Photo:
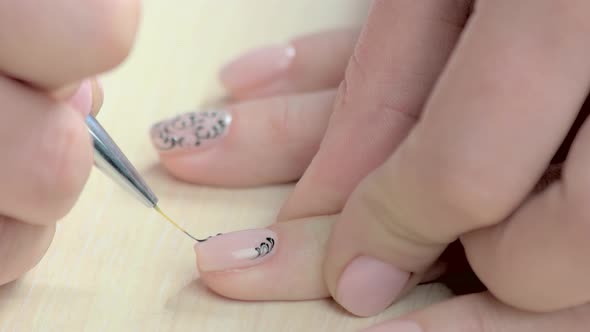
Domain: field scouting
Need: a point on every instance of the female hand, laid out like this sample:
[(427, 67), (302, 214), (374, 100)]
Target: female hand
[(51, 50), (442, 183)]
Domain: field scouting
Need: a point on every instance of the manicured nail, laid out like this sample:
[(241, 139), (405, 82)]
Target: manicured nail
[(368, 286), (258, 68), (190, 131), (395, 326), (82, 99), (236, 250), (97, 95)]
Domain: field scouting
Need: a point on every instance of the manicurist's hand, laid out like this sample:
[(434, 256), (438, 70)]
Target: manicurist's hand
[(51, 51), (449, 116)]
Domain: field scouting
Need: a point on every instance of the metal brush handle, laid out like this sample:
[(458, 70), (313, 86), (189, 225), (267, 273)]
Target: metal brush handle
[(109, 158)]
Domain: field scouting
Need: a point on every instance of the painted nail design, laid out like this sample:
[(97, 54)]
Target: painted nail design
[(236, 250), (265, 248), (190, 130)]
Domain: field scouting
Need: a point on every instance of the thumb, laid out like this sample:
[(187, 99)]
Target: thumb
[(377, 250)]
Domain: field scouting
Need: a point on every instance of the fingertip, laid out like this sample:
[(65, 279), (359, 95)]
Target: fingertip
[(234, 264), (311, 62), (268, 141), (22, 246), (236, 250), (368, 286), (256, 71), (82, 100), (286, 266), (86, 98), (97, 96)]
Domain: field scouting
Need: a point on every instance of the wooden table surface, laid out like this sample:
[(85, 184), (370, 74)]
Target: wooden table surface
[(115, 265)]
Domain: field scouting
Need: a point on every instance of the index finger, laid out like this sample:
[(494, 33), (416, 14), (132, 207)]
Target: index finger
[(400, 53)]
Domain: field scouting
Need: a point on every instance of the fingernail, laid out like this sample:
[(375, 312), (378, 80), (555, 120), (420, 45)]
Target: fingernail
[(82, 99), (258, 68), (236, 250), (395, 326), (97, 95), (196, 130), (368, 286)]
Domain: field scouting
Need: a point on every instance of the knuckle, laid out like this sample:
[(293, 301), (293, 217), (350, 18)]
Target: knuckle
[(362, 84), (353, 78), (282, 121), (67, 157), (469, 199), (386, 209)]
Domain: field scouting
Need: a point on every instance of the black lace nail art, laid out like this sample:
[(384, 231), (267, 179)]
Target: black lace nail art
[(265, 247), (191, 130)]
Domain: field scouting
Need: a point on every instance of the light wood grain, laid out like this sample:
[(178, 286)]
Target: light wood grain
[(115, 265)]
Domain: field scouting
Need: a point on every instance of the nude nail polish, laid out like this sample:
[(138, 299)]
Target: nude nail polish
[(236, 250), (258, 68), (97, 95), (368, 286), (81, 101), (190, 131)]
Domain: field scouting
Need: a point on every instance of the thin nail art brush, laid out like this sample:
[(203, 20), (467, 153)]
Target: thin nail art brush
[(111, 160)]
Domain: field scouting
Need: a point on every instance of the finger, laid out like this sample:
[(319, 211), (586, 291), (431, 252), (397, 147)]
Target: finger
[(537, 259), (53, 43), (400, 52), (251, 143), (47, 155), (482, 313), (97, 97), (308, 63), (231, 266), (21, 247), (87, 98), (450, 176)]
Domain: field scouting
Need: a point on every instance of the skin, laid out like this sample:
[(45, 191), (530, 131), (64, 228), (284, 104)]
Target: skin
[(403, 94), (37, 95), (431, 132)]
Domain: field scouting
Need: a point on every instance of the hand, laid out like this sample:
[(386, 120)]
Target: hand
[(284, 101), (444, 181), (298, 246), (51, 51)]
